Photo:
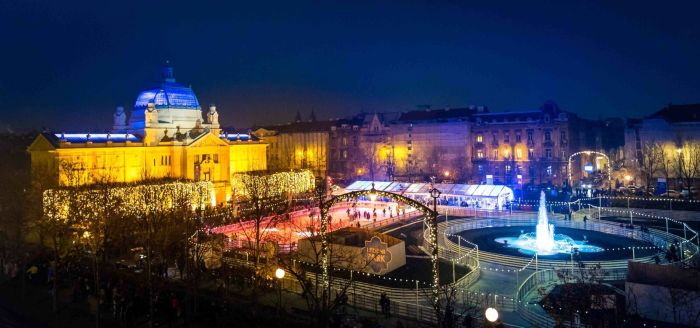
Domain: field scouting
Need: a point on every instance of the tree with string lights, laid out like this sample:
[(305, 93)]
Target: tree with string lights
[(265, 204)]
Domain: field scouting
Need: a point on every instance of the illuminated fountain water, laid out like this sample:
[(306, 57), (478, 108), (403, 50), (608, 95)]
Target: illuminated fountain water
[(544, 232), (544, 241)]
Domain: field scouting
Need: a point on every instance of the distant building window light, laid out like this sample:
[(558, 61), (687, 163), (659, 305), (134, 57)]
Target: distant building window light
[(479, 138), (518, 153)]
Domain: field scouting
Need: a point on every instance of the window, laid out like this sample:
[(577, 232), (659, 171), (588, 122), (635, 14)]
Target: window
[(530, 153), (506, 153), (517, 137), (495, 154), (345, 154), (508, 168), (529, 135), (479, 153), (518, 153), (216, 158), (354, 141), (480, 168), (546, 118), (345, 141), (506, 137), (548, 153), (479, 138), (493, 138), (547, 136), (162, 160), (549, 170), (563, 136), (196, 159)]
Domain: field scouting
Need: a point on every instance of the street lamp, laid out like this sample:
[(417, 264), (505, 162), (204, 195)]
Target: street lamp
[(279, 273), (491, 314)]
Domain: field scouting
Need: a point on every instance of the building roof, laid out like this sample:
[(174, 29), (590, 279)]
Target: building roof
[(679, 113), (237, 137), (168, 94), (424, 188), (300, 127), (356, 237), (56, 139), (441, 114), (663, 275)]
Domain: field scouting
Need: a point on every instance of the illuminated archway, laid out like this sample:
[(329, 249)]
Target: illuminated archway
[(430, 217), (588, 152)]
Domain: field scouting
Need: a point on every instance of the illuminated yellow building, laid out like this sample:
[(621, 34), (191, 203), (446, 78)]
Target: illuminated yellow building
[(164, 137), (299, 145)]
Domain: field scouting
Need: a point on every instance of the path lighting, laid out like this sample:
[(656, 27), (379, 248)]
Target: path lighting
[(491, 314), (679, 150), (279, 273), (446, 173)]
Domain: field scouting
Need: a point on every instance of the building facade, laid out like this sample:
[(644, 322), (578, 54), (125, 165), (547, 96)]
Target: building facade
[(164, 136), (676, 130), (299, 145), (528, 147)]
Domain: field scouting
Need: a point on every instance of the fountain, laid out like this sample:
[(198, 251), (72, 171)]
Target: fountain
[(544, 232), (544, 241)]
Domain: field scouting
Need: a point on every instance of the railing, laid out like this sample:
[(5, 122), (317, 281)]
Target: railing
[(532, 312), (453, 227)]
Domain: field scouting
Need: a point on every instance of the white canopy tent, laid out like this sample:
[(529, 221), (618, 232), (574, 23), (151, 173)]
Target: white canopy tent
[(479, 196)]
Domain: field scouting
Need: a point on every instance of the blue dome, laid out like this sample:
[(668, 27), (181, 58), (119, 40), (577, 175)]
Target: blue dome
[(168, 94)]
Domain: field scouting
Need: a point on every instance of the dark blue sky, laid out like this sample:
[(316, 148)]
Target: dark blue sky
[(67, 64)]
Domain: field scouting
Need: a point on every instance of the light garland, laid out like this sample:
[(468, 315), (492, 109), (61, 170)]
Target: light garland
[(274, 184), (130, 200)]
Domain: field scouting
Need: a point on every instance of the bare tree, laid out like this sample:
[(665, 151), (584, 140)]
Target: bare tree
[(688, 164), (579, 290), (264, 208), (651, 162)]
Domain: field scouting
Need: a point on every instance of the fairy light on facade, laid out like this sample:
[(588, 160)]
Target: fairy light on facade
[(278, 183)]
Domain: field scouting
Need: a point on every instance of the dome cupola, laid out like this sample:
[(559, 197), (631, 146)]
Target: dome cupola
[(168, 94)]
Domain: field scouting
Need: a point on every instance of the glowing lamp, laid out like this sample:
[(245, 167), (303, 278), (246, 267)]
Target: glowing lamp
[(372, 196), (447, 173), (491, 314), (679, 151), (279, 273), (628, 178)]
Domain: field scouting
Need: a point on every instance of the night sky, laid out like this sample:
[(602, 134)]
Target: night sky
[(66, 64)]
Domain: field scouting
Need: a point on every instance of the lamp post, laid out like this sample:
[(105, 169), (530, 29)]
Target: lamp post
[(279, 273), (433, 228)]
